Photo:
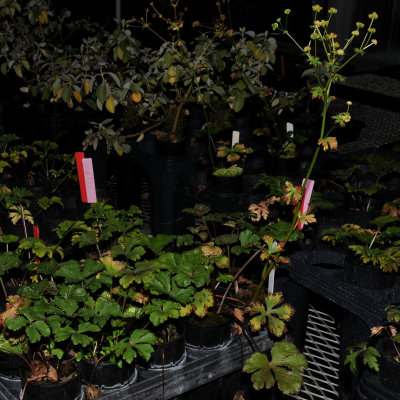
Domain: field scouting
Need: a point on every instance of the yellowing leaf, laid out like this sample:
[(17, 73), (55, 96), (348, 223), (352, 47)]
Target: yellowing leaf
[(15, 215), (86, 85), (184, 311), (78, 96), (329, 142), (59, 93), (43, 17), (18, 71), (210, 250), (110, 105), (136, 97), (259, 210), (307, 219), (172, 75), (376, 330)]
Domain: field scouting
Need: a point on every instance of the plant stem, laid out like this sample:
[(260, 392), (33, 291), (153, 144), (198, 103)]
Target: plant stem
[(3, 288), (236, 276)]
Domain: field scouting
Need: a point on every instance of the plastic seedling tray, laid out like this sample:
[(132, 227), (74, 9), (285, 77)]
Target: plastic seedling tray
[(198, 368)]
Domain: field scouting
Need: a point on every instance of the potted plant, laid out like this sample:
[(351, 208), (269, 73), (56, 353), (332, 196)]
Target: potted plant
[(227, 178), (147, 285), (382, 358), (376, 248)]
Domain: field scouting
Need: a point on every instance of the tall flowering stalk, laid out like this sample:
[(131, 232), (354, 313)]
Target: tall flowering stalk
[(327, 57)]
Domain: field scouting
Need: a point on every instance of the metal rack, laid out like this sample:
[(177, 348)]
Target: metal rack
[(322, 348)]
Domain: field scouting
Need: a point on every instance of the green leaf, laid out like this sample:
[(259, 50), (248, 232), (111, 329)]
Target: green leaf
[(69, 307), (142, 273), (42, 328), (73, 292), (131, 250), (45, 202), (114, 268), (88, 327), (225, 278), (58, 353), (285, 368), (16, 323), (85, 239), (157, 243), (371, 358), (105, 310), (248, 238), (70, 270), (226, 239), (238, 102), (159, 311), (142, 340), (101, 93), (393, 313), (258, 366), (63, 333), (8, 260), (79, 338), (33, 334)]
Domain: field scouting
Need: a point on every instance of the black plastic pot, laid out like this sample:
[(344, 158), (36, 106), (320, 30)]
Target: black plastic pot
[(68, 390), (368, 276), (106, 375), (226, 184), (170, 148), (207, 335), (369, 388), (168, 354), (10, 365), (389, 373)]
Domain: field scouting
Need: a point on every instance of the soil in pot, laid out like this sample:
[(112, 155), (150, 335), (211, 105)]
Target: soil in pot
[(68, 386), (170, 350), (212, 331), (106, 375)]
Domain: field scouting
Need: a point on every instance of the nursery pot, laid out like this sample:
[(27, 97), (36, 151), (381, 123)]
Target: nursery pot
[(226, 184), (106, 375), (213, 331), (166, 148), (168, 354), (10, 365), (389, 373), (70, 389), (367, 276)]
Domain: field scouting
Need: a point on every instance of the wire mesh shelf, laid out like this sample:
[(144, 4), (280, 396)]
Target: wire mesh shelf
[(322, 348)]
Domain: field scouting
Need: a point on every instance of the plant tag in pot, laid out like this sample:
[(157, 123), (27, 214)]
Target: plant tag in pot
[(235, 138), (290, 128), (271, 276), (86, 178)]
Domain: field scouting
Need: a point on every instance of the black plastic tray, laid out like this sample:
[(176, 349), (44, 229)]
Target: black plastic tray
[(369, 305), (198, 368)]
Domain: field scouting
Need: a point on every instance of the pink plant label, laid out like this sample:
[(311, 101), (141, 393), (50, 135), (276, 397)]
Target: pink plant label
[(79, 156), (306, 199), (89, 180)]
